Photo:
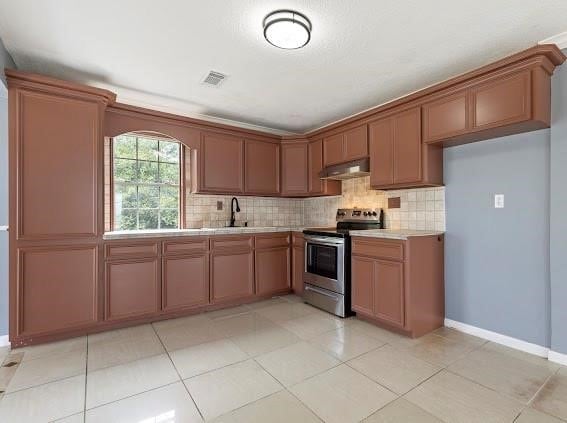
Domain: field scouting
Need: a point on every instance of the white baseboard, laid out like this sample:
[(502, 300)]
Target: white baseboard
[(4, 341), (498, 338), (557, 357)]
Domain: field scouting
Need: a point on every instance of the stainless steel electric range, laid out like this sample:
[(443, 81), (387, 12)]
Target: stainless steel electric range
[(327, 260)]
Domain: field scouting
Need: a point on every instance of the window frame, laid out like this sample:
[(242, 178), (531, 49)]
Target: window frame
[(181, 176)]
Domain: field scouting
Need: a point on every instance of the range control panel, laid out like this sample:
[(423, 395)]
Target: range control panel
[(359, 215)]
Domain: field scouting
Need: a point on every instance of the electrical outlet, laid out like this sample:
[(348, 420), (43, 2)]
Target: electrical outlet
[(498, 201), (219, 205)]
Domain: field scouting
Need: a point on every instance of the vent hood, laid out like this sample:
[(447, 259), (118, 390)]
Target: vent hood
[(349, 170)]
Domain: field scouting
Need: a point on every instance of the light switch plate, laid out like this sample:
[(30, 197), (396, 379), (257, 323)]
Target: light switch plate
[(498, 201)]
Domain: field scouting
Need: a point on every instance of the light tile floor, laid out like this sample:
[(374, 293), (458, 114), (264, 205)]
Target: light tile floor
[(277, 361)]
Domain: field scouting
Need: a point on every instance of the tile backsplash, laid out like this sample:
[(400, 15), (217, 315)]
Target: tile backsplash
[(422, 208)]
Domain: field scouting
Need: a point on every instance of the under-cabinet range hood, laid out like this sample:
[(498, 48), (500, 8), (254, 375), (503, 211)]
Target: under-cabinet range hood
[(349, 170)]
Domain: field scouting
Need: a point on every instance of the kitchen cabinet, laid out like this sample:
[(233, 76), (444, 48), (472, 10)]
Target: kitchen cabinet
[(232, 269), (220, 164), (319, 186), (132, 288), (446, 117), (345, 146), (398, 158), (295, 168), (399, 284), (185, 274), (58, 288), (501, 101), (272, 264), (297, 262), (262, 167)]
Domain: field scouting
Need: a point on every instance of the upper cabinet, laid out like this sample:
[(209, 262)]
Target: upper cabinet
[(346, 146), (262, 167), (318, 186), (295, 167), (220, 164), (398, 159), (496, 105)]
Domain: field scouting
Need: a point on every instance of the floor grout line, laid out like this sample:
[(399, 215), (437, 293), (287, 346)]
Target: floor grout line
[(86, 380), (178, 374)]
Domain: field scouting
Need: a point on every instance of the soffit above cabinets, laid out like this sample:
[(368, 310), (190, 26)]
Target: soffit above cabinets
[(359, 55)]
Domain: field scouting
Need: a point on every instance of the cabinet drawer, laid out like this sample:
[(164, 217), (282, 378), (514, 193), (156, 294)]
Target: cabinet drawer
[(385, 249), (270, 241), (148, 249), (231, 242), (194, 245)]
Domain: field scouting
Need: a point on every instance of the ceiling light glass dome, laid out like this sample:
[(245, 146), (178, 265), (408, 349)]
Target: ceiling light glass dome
[(287, 29)]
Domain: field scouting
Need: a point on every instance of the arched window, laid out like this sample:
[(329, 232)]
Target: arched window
[(146, 188)]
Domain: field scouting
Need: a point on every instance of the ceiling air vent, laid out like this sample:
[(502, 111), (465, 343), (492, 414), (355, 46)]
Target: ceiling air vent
[(214, 78)]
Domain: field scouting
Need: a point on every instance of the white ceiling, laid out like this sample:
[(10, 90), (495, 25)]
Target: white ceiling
[(362, 53)]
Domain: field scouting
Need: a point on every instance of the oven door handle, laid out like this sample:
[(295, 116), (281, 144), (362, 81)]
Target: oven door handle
[(323, 241), (321, 291)]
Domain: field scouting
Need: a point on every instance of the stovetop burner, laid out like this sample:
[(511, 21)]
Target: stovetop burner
[(351, 219)]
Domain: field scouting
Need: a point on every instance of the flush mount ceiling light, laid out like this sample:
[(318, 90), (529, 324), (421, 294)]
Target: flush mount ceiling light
[(287, 29)]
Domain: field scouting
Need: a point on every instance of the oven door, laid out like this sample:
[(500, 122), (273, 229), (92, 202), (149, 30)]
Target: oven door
[(324, 263)]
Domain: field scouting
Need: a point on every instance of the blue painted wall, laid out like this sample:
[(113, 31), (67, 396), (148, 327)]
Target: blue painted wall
[(5, 62), (558, 217), (497, 260)]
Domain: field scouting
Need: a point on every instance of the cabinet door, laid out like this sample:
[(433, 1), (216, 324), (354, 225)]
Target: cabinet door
[(315, 166), (502, 101), (262, 167), (221, 163), (333, 149), (232, 275), (362, 274), (272, 270), (382, 152), (407, 146), (185, 281), (295, 178), (356, 143), (57, 288), (58, 143), (132, 288), (389, 292), (298, 263), (446, 117)]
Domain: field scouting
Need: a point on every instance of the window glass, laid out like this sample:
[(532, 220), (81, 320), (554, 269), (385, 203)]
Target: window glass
[(146, 176)]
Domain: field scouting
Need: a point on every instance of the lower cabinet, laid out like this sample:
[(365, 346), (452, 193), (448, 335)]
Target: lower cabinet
[(297, 263), (185, 281), (232, 275), (272, 270), (132, 288), (399, 283)]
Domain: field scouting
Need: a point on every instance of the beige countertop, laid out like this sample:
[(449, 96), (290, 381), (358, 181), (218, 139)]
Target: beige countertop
[(164, 233), (394, 233)]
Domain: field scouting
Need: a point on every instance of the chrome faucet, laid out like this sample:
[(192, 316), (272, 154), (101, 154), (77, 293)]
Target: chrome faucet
[(232, 214)]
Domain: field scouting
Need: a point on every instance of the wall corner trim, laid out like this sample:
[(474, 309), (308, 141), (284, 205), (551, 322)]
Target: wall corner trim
[(4, 341), (559, 39), (498, 338), (558, 358)]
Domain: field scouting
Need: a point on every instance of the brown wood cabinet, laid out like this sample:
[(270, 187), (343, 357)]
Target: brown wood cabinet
[(272, 264), (399, 283), (132, 288), (232, 268), (297, 262), (446, 117), (345, 146), (185, 274), (398, 159), (319, 186), (295, 167), (220, 164), (261, 167)]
